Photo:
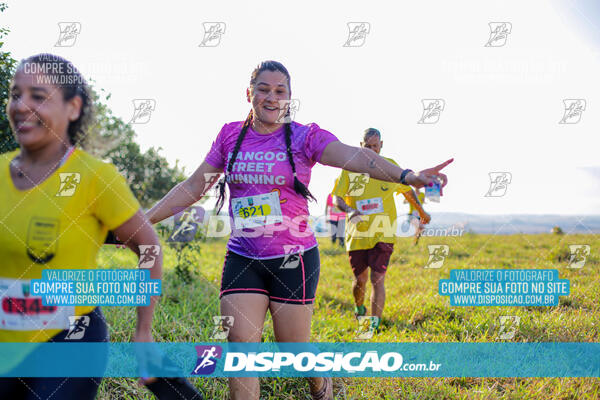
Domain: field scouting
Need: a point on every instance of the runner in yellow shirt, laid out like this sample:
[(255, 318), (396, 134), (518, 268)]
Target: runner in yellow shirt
[(58, 203), (371, 226)]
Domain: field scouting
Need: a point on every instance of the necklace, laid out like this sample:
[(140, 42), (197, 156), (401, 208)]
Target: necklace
[(63, 159)]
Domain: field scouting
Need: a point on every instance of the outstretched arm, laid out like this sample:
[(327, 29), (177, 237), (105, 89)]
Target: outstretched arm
[(185, 193), (359, 159), (137, 231)]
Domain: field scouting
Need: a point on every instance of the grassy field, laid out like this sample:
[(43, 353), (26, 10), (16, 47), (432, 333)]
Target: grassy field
[(414, 313)]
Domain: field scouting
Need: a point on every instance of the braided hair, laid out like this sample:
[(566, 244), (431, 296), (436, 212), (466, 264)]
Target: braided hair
[(299, 187)]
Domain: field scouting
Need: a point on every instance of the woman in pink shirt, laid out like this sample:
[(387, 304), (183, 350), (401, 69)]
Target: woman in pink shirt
[(272, 260)]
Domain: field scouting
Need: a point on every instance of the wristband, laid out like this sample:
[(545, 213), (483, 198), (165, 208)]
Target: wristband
[(403, 175)]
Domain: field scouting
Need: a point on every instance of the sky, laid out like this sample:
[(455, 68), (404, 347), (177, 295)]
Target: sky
[(502, 103)]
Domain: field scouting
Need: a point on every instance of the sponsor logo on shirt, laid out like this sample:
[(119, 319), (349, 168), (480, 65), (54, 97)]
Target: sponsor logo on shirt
[(42, 239)]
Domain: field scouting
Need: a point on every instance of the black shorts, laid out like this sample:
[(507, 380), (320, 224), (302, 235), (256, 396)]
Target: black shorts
[(61, 388), (291, 279)]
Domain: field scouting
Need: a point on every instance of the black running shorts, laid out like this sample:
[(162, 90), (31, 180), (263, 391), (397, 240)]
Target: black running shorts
[(291, 279)]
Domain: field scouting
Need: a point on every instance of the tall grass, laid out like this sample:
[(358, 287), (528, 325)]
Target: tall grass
[(414, 312)]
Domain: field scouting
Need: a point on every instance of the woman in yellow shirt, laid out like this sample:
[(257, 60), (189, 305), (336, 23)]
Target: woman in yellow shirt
[(57, 205)]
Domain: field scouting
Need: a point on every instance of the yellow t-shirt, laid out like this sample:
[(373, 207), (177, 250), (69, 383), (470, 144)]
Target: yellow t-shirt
[(374, 198), (60, 223)]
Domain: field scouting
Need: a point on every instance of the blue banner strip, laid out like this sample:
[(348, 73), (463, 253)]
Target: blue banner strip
[(300, 359)]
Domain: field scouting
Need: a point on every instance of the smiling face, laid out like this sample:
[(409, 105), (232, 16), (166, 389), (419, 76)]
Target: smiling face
[(268, 95), (37, 113), (373, 142)]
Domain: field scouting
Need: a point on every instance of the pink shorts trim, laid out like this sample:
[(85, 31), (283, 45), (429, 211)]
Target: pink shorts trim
[(303, 278), (294, 300), (243, 290)]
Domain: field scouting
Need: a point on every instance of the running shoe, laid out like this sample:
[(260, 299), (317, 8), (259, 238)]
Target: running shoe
[(326, 391), (360, 311)]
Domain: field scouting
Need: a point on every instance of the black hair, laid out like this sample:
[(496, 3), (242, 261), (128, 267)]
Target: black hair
[(299, 187), (63, 74)]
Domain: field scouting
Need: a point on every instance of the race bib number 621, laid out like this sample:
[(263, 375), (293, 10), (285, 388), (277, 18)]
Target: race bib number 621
[(255, 211)]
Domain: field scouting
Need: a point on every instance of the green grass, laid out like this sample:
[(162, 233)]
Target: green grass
[(414, 312)]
